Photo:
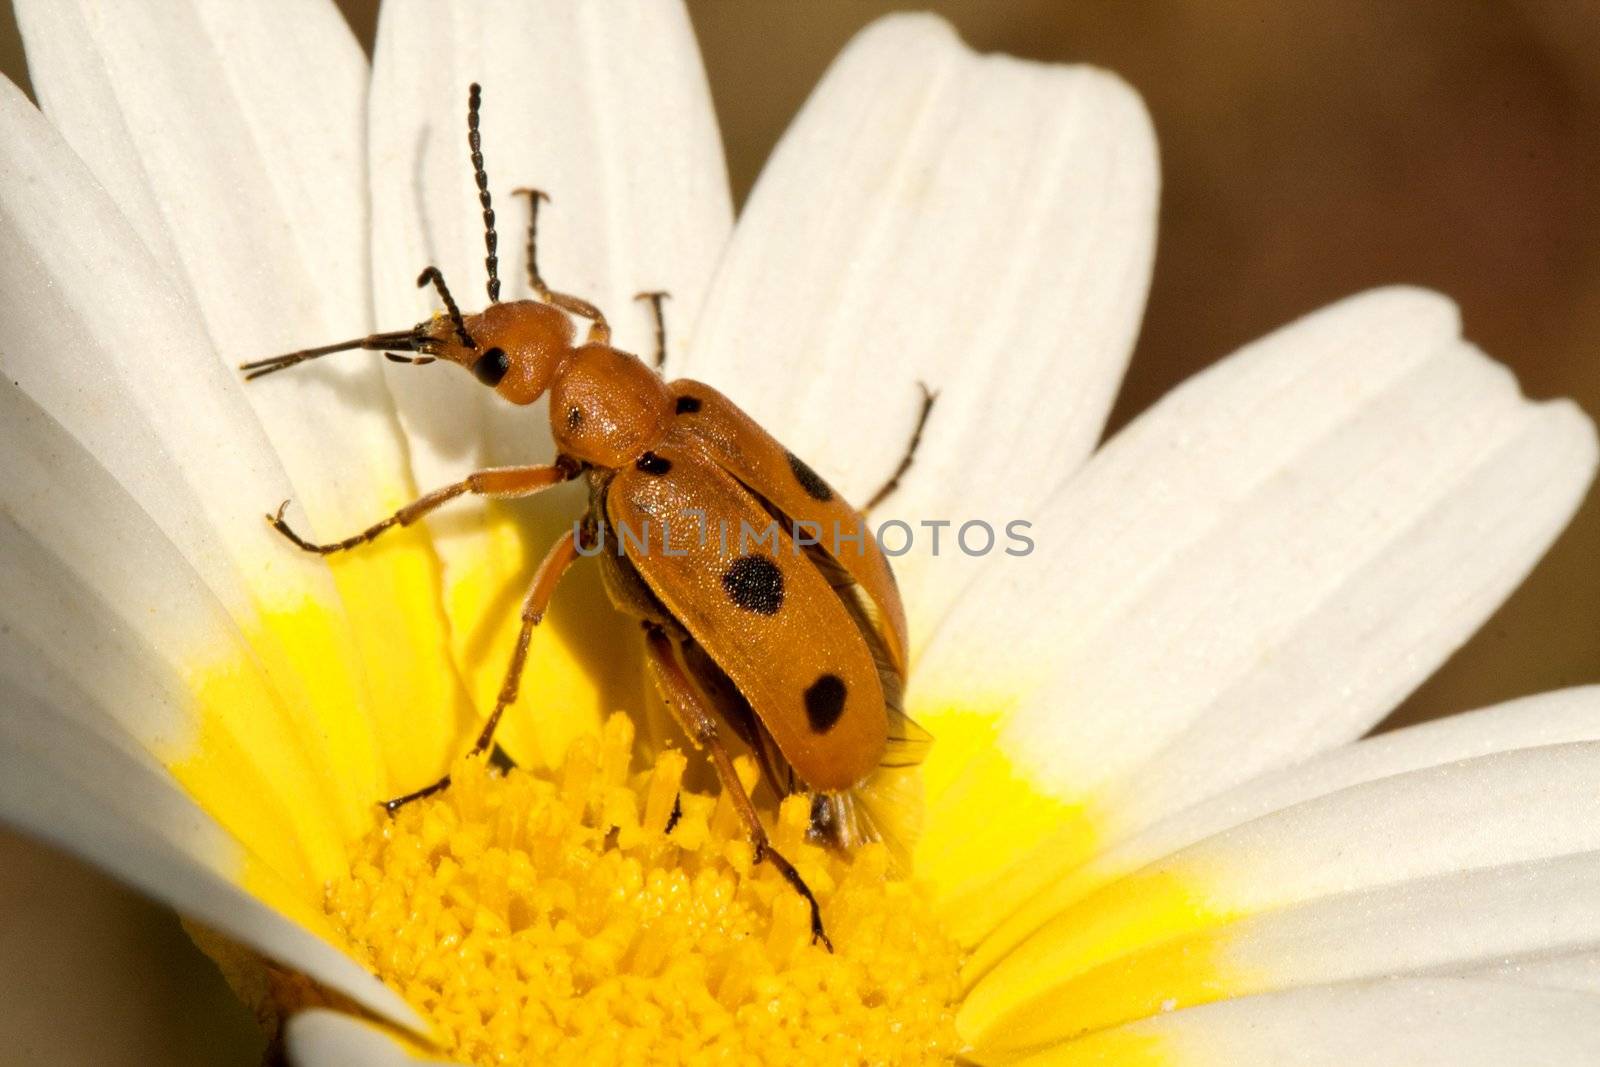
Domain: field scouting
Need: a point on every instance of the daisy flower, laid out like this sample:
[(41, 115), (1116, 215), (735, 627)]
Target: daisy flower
[(1149, 832)]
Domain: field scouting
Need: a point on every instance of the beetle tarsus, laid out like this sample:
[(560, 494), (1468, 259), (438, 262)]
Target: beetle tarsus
[(395, 804), (535, 282), (276, 521), (792, 876)]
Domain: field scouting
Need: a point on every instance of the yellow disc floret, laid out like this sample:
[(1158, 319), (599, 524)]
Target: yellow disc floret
[(558, 920)]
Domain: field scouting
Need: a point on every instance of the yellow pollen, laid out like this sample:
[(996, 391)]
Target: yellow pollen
[(556, 920)]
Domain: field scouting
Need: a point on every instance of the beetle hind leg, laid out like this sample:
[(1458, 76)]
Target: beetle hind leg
[(888, 487), (690, 709)]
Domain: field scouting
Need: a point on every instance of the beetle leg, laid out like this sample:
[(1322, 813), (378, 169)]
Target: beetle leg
[(535, 282), (718, 692), (696, 719), (554, 565), (498, 482), (928, 397), (655, 297), (599, 329)]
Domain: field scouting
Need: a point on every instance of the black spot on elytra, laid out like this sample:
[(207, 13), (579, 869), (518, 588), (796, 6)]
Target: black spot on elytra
[(491, 366), (809, 480), (688, 405), (825, 702), (651, 463), (755, 584), (574, 418)]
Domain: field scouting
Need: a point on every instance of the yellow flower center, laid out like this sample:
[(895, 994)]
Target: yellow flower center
[(558, 920)]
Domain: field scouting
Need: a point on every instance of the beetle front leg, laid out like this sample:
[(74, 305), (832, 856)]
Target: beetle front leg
[(502, 483), (690, 710)]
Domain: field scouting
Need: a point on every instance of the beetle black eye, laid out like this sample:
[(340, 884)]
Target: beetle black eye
[(492, 366)]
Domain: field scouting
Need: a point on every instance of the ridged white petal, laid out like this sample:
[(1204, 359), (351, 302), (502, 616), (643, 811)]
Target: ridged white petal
[(70, 350), (1443, 869), (1542, 719), (99, 602), (245, 127), (69, 787), (605, 108), (1254, 571), (95, 762), (124, 368), (1439, 1022), (324, 1038), (980, 224)]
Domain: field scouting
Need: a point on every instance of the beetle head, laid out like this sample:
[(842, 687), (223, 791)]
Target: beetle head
[(516, 347)]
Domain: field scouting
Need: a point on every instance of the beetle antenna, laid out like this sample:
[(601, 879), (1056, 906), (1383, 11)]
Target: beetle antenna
[(403, 340), (491, 240), (431, 274)]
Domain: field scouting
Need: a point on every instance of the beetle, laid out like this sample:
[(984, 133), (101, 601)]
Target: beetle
[(795, 645)]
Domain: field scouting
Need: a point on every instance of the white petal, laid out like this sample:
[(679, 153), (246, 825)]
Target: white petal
[(1543, 719), (100, 602), (1577, 971), (94, 764), (979, 224), (323, 1038), (1254, 571), (605, 108), (71, 351), (181, 440), (1416, 1022), (62, 644), (244, 126), (1442, 869), (52, 540), (68, 787)]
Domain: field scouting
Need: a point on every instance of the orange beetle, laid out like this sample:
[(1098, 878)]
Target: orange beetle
[(796, 645)]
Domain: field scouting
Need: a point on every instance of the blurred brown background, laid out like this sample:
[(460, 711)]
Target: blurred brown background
[(1309, 150)]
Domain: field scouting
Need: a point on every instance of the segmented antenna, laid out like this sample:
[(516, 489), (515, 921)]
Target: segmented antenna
[(403, 340), (491, 240), (431, 274)]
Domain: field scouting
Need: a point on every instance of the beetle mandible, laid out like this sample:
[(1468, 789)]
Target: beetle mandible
[(797, 647)]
